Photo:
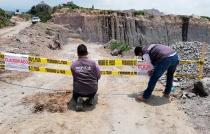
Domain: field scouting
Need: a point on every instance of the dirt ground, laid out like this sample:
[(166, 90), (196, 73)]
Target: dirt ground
[(41, 103)]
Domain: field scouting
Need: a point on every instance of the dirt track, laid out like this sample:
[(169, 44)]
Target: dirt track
[(36, 103), (10, 31)]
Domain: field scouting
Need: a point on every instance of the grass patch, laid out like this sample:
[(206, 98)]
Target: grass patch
[(119, 46)]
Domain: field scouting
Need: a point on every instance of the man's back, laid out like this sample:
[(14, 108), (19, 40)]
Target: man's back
[(85, 75)]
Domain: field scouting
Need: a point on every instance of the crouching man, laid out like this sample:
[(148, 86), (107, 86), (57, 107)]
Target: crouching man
[(86, 74)]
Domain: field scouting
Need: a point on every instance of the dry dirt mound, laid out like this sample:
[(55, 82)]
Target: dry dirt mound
[(17, 19), (51, 102)]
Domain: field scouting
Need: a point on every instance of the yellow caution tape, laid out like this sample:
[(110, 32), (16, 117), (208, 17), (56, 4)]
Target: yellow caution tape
[(51, 61), (118, 73), (117, 62), (102, 62), (1, 56), (2, 66), (201, 62), (188, 61), (49, 70), (200, 77), (68, 72), (186, 75)]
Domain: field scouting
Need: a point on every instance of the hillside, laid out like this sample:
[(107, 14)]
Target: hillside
[(4, 18)]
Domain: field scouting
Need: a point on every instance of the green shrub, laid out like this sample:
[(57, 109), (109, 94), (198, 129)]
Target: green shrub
[(41, 10), (205, 17), (113, 11), (119, 46), (4, 18), (71, 6), (135, 13), (43, 16), (183, 17)]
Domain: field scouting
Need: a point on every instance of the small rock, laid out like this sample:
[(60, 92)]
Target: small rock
[(190, 95)]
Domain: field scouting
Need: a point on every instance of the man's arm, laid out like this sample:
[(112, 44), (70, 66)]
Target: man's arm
[(147, 58), (98, 70)]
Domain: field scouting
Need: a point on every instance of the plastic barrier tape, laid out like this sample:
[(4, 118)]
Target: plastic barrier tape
[(1, 56), (117, 62), (188, 61), (2, 66), (49, 70), (102, 62), (186, 75), (118, 73), (68, 72), (51, 61)]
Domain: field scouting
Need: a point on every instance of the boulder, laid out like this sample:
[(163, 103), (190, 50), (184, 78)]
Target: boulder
[(203, 86)]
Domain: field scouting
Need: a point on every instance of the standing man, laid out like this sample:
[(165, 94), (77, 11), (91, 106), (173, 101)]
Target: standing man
[(160, 58), (86, 74)]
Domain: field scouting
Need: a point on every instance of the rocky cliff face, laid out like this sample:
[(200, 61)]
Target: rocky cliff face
[(102, 26)]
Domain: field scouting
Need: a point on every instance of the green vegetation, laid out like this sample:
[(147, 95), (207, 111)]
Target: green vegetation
[(113, 11), (183, 17), (119, 46), (205, 17), (71, 6), (4, 18), (41, 10), (135, 13)]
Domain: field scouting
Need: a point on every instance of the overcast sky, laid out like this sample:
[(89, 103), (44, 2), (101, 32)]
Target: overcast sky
[(178, 7)]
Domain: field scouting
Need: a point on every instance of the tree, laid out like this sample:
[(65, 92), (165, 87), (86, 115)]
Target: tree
[(41, 10)]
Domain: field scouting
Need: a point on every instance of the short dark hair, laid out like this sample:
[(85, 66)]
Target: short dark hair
[(137, 50), (82, 50)]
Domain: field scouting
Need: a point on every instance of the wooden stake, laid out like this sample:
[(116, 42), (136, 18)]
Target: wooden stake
[(202, 61)]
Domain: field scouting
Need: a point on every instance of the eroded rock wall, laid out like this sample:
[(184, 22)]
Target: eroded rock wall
[(137, 31), (199, 30)]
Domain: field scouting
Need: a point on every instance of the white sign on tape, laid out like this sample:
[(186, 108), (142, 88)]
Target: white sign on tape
[(16, 62), (142, 67)]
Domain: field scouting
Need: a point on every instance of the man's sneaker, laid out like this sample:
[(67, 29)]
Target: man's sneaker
[(79, 104), (91, 100)]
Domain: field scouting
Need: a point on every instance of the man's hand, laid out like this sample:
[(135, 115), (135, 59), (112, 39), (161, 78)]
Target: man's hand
[(150, 72)]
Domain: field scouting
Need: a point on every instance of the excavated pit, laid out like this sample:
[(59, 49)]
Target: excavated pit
[(50, 102)]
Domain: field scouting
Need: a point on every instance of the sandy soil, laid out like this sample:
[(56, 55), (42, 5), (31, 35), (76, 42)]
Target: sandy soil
[(41, 103)]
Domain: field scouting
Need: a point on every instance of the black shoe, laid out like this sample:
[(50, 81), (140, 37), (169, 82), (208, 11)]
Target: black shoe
[(79, 104), (91, 101)]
